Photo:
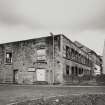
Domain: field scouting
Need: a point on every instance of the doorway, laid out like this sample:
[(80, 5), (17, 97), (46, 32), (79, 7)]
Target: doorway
[(41, 74), (15, 76)]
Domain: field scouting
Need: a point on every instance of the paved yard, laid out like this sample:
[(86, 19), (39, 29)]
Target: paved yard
[(11, 93)]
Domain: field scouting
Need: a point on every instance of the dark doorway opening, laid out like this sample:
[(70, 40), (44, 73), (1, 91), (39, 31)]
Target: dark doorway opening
[(15, 72), (76, 71), (72, 71)]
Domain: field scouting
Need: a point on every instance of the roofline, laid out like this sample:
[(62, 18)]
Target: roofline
[(29, 39), (91, 51), (47, 37), (74, 44)]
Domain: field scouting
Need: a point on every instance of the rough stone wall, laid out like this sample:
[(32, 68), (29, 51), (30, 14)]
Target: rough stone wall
[(70, 62), (24, 56), (1, 63)]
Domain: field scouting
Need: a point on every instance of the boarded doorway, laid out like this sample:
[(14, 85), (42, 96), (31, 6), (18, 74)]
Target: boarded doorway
[(41, 74)]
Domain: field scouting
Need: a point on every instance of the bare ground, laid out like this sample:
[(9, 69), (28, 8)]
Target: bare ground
[(16, 93)]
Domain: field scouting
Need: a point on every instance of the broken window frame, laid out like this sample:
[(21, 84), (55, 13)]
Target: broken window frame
[(8, 57)]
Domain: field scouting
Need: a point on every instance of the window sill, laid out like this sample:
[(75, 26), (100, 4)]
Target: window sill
[(8, 63)]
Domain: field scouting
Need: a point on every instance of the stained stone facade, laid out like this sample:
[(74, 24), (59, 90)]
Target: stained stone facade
[(96, 59), (43, 60)]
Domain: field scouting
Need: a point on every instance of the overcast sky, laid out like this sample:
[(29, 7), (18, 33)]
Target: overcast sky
[(81, 20)]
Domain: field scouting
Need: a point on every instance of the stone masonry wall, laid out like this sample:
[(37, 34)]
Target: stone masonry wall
[(24, 57), (71, 62)]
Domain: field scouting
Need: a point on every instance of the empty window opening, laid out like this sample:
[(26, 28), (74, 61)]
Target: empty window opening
[(80, 71), (72, 71), (76, 71), (67, 52), (8, 57), (67, 69)]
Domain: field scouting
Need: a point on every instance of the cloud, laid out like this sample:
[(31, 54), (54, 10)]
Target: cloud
[(82, 19), (12, 13), (87, 14), (54, 14), (93, 39)]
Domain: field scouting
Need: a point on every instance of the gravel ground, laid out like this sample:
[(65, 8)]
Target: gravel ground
[(17, 93), (91, 99)]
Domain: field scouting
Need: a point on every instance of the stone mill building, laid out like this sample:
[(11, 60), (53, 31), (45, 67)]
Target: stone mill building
[(51, 59)]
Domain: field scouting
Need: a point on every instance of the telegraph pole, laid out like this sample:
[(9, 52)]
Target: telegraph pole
[(53, 57), (103, 70)]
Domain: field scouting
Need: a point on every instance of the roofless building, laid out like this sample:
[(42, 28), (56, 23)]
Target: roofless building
[(51, 59)]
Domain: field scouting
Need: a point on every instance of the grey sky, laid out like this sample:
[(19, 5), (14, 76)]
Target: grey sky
[(82, 20)]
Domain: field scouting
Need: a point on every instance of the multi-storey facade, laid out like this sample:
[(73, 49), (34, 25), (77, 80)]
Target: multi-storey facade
[(52, 59), (96, 59)]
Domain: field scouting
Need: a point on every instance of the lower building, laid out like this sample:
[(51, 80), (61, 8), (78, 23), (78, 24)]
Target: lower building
[(51, 59)]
